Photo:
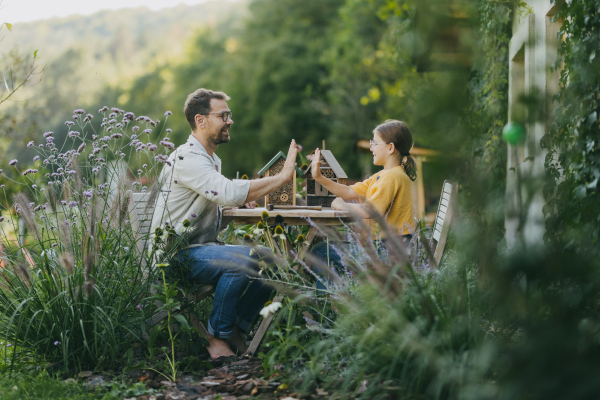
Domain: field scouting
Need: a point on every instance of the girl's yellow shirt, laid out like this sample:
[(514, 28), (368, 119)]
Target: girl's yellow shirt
[(388, 192)]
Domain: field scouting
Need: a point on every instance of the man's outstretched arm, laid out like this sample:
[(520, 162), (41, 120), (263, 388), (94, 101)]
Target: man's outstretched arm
[(261, 187)]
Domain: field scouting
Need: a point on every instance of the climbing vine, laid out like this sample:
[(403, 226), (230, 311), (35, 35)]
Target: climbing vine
[(573, 159)]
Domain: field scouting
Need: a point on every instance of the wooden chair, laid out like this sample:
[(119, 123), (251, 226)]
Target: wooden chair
[(140, 215), (443, 218)]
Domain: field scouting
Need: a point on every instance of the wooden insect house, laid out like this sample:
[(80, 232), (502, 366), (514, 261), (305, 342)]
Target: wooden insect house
[(317, 195), (286, 194)]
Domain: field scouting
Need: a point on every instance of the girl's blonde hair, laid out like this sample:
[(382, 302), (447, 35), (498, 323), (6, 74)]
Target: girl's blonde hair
[(397, 132)]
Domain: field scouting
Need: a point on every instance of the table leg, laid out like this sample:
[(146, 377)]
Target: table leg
[(310, 237)]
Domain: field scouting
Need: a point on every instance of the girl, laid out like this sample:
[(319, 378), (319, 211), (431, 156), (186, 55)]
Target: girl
[(388, 191)]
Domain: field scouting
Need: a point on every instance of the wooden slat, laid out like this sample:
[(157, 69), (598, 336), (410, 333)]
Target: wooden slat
[(446, 196), (439, 225), (443, 233), (441, 215), (443, 209)]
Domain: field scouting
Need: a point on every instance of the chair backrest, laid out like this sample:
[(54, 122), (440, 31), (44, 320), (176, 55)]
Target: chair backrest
[(140, 216), (441, 226)]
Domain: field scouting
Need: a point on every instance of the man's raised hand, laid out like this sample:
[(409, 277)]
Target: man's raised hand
[(290, 162), (315, 166)]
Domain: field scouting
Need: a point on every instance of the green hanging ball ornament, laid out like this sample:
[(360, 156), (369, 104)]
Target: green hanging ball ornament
[(513, 133)]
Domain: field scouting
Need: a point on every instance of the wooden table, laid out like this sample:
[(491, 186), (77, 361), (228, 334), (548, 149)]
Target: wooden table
[(327, 216)]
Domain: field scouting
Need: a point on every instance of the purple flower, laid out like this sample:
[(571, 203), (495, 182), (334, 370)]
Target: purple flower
[(102, 109), (75, 117), (73, 134), (71, 172), (135, 128), (50, 139), (169, 131), (112, 114), (95, 169), (88, 193), (168, 113), (37, 208), (152, 147), (73, 203), (36, 158), (69, 123), (139, 307), (148, 131), (63, 202), (143, 166), (112, 121), (135, 184), (56, 343), (12, 162), (48, 134), (116, 136), (1, 219), (9, 345), (81, 147), (129, 115), (34, 186), (194, 215), (167, 144), (30, 144), (40, 145), (79, 111), (53, 244)]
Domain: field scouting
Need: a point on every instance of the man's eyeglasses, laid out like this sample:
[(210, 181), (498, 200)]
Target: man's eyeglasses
[(372, 143), (224, 115)]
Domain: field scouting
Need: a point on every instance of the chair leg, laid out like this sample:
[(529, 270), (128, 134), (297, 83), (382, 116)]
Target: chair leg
[(260, 333), (262, 329)]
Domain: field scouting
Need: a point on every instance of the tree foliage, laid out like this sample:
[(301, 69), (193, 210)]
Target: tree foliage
[(573, 159)]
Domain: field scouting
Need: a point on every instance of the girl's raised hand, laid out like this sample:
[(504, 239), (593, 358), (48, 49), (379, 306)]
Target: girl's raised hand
[(315, 166)]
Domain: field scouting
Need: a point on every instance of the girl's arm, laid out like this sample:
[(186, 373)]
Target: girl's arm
[(358, 209), (343, 191)]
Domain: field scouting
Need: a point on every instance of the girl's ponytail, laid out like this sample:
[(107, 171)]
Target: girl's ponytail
[(397, 132)]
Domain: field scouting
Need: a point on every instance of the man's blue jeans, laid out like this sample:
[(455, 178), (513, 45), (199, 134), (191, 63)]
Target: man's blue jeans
[(227, 268)]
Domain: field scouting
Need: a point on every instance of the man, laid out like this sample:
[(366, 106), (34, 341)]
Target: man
[(192, 188)]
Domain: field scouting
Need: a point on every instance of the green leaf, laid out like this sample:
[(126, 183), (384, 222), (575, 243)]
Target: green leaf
[(9, 26), (35, 54), (181, 319)]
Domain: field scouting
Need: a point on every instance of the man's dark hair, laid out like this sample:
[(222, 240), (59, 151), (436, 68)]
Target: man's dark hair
[(198, 102)]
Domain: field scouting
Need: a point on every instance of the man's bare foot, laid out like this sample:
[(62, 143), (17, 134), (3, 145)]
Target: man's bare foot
[(237, 342), (218, 347)]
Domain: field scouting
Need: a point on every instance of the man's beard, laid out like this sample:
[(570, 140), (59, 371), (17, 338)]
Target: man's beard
[(220, 138)]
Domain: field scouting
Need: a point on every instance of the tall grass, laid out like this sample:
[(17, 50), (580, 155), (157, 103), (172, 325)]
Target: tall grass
[(520, 324), (74, 290)]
